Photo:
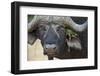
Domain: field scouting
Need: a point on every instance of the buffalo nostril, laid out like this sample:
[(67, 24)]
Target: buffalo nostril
[(54, 48), (50, 46)]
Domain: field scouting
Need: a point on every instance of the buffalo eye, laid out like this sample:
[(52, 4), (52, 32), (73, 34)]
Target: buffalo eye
[(42, 28), (60, 28), (57, 29)]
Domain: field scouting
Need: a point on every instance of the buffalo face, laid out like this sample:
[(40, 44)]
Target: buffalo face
[(50, 30), (52, 37)]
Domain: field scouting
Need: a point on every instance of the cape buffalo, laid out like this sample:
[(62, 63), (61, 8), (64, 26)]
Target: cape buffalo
[(55, 39)]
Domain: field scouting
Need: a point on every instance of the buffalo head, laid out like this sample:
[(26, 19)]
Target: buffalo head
[(51, 31)]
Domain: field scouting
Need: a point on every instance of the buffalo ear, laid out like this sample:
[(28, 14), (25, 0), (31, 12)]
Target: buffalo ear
[(31, 38), (74, 43)]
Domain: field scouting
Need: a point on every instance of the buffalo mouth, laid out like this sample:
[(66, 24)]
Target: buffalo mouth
[(50, 52)]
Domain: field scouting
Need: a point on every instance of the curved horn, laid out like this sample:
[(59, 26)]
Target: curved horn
[(75, 26), (32, 23)]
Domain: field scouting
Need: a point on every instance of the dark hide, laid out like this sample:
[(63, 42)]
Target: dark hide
[(53, 39)]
